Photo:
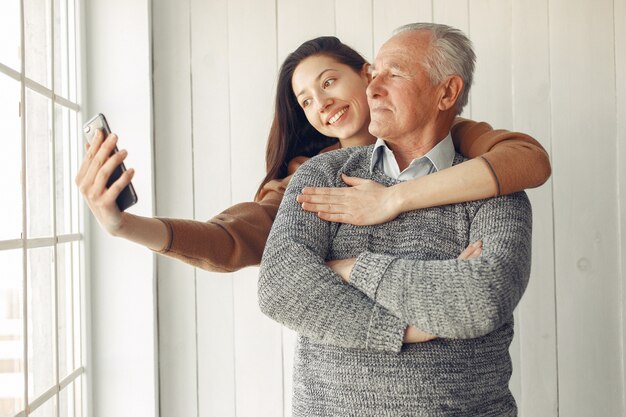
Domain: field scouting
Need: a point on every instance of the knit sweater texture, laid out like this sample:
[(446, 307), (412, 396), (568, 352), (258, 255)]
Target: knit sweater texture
[(235, 238), (350, 359)]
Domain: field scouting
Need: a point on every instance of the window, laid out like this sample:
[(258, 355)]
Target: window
[(41, 247)]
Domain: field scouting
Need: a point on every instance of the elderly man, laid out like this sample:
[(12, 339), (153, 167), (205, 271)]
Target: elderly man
[(356, 295)]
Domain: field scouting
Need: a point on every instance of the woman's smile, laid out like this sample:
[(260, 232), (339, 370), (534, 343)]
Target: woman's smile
[(338, 115)]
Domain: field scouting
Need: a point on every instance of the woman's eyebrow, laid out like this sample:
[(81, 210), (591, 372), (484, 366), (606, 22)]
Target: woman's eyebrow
[(317, 78)]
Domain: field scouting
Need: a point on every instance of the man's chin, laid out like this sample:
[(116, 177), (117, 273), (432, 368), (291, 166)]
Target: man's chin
[(376, 129)]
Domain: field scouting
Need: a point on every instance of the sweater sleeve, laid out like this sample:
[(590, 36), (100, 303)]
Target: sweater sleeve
[(233, 239), (453, 298), (516, 160), (297, 289)]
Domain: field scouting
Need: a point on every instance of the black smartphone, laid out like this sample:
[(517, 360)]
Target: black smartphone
[(128, 196)]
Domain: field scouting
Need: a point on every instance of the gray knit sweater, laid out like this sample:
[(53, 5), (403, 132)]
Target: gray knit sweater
[(350, 360)]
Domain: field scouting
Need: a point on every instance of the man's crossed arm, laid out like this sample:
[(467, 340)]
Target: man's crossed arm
[(451, 298)]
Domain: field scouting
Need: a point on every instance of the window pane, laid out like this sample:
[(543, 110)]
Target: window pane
[(76, 152), (77, 274), (71, 34), (37, 40), (61, 63), (10, 33), (40, 321), (38, 166), (64, 180), (70, 404), (11, 166), (11, 333), (65, 311), (45, 410)]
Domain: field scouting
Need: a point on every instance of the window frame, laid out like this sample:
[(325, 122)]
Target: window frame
[(77, 297)]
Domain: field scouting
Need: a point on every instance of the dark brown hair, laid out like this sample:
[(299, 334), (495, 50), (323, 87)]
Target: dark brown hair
[(291, 134)]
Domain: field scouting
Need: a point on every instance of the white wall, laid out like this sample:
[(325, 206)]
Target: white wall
[(553, 69), (121, 365)]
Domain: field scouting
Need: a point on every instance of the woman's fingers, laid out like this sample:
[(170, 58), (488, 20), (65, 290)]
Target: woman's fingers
[(90, 150), (323, 203), (323, 198), (104, 173), (336, 191), (94, 146), (365, 202), (116, 188), (312, 192), (334, 217), (93, 175), (353, 181), (99, 158)]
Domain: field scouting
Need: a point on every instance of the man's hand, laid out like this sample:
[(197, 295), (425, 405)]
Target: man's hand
[(414, 335), (365, 202), (343, 267), (472, 251)]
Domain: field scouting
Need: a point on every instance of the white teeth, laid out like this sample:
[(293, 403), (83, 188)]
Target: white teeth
[(337, 116)]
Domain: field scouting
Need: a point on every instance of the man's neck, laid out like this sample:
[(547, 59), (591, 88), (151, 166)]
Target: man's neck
[(419, 143), (405, 151)]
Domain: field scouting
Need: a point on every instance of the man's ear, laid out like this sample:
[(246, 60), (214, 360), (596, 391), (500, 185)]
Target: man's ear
[(452, 88), (366, 71)]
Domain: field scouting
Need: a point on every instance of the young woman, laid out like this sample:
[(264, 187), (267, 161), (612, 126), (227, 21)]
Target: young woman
[(314, 112)]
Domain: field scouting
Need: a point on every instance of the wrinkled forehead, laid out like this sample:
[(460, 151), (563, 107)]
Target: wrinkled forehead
[(404, 48)]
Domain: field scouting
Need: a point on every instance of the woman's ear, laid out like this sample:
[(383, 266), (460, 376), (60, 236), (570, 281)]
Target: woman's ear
[(366, 71), (452, 89)]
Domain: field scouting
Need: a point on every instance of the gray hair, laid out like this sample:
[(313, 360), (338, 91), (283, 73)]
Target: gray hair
[(450, 53)]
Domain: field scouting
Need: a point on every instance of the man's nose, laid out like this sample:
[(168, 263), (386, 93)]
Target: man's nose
[(375, 87)]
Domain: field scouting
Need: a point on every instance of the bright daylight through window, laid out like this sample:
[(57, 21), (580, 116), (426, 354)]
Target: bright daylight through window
[(41, 249)]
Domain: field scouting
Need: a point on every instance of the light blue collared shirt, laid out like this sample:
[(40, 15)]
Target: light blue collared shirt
[(439, 157)]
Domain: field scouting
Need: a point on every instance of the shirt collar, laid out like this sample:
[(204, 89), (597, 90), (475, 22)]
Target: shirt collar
[(441, 156)]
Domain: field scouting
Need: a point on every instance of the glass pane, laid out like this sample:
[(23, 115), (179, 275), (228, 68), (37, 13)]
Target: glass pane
[(45, 410), (77, 288), (11, 333), (61, 79), (63, 177), (76, 150), (11, 159), (65, 324), (38, 166), (37, 40), (71, 53), (78, 397), (10, 34), (69, 400), (40, 321), (77, 256)]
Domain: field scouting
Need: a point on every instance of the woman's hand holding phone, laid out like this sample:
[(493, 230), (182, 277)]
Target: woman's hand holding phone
[(92, 177)]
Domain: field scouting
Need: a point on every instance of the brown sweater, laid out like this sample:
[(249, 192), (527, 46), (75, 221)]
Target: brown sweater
[(235, 238)]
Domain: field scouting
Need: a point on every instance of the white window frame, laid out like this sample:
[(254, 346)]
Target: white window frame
[(25, 243)]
